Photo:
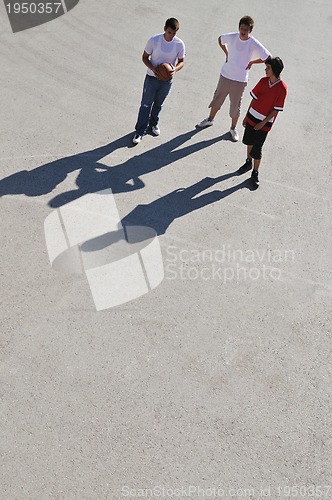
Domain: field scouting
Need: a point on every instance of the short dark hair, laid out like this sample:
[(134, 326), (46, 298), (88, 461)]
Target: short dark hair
[(172, 23), (276, 65), (248, 21)]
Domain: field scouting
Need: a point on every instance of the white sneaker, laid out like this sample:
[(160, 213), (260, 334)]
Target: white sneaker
[(205, 123), (155, 130), (234, 134), (137, 138)]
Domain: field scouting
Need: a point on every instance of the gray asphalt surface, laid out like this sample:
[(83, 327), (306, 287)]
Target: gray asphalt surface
[(221, 376)]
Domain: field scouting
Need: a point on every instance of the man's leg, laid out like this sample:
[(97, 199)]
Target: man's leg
[(248, 140), (148, 95), (248, 163), (256, 154), (256, 161), (219, 97), (235, 96), (254, 173), (213, 112), (248, 166), (159, 99), (256, 164), (234, 122)]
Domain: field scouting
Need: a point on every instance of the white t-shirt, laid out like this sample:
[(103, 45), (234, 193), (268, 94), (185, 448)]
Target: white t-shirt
[(162, 51), (240, 53)]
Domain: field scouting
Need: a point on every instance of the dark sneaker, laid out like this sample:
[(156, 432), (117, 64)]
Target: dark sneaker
[(246, 166), (254, 177)]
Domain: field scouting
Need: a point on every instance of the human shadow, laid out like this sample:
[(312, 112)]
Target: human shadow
[(94, 175), (45, 178), (160, 213)]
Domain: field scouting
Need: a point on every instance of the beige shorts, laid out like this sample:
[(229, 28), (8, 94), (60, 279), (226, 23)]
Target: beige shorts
[(235, 91)]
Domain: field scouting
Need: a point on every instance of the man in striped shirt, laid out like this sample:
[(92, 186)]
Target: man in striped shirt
[(268, 98)]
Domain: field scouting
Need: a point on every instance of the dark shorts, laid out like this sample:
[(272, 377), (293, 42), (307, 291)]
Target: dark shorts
[(256, 139)]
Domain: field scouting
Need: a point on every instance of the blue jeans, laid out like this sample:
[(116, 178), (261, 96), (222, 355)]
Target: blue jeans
[(154, 94)]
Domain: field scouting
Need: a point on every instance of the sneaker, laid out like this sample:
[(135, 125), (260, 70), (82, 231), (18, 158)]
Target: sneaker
[(234, 134), (246, 166), (254, 177), (205, 123), (155, 130), (137, 138)]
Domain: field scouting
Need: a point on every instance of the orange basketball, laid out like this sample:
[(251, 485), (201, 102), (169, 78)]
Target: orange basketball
[(164, 71)]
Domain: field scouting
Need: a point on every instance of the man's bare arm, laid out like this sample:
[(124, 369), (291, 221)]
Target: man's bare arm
[(223, 48), (261, 124), (147, 62), (256, 61)]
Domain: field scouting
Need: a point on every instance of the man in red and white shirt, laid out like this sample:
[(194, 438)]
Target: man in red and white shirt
[(268, 98)]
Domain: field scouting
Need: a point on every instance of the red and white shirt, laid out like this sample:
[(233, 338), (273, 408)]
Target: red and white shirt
[(266, 98)]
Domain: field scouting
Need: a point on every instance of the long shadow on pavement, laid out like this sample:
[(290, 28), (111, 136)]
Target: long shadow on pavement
[(160, 213), (94, 176)]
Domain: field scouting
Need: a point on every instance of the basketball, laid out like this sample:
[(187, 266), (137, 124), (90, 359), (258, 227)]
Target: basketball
[(164, 70)]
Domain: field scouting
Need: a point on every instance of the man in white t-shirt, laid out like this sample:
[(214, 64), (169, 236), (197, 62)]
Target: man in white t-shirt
[(163, 48), (242, 51)]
